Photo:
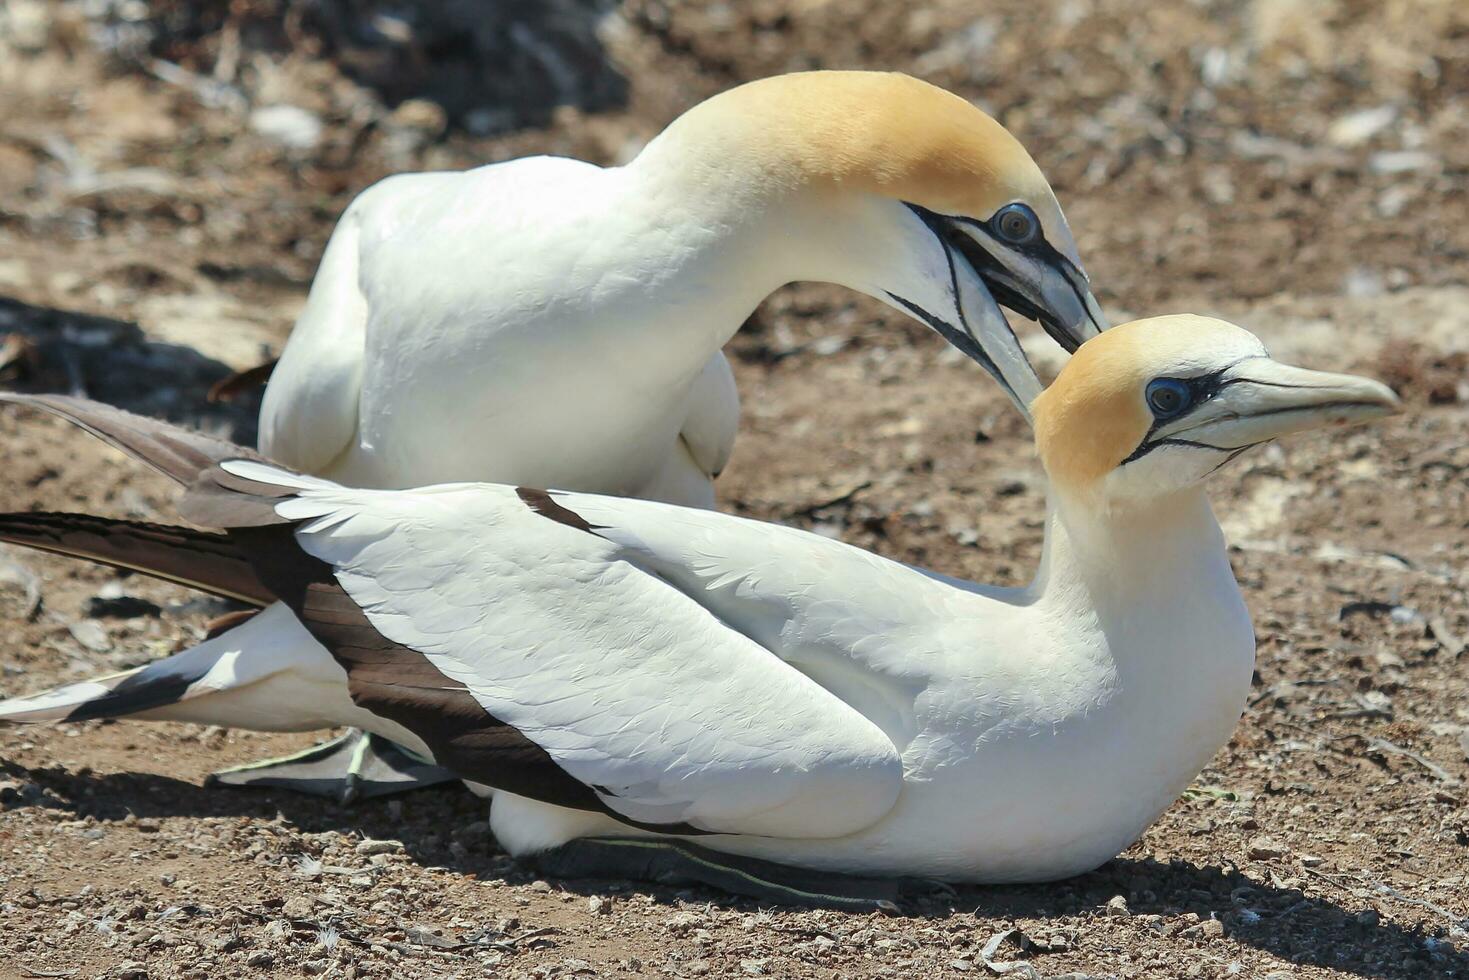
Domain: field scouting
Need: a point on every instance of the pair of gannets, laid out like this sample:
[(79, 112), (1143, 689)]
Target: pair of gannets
[(631, 676), (551, 323)]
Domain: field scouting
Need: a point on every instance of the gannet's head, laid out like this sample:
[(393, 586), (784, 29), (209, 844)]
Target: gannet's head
[(1153, 406), (912, 195)]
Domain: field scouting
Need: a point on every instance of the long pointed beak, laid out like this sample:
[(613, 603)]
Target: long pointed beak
[(1260, 399), (1084, 323), (980, 331)]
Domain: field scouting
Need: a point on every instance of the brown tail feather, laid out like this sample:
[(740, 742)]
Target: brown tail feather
[(175, 452), (214, 498), (208, 562)]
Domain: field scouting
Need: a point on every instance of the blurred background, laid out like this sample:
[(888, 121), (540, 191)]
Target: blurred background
[(170, 172)]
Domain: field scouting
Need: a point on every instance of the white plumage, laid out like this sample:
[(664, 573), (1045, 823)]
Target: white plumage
[(547, 322), (797, 698)]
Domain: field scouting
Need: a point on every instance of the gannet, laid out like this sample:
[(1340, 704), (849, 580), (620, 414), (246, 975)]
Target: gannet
[(547, 322), (641, 683)]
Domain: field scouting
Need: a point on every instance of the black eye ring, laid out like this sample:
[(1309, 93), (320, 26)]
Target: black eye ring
[(1016, 223), (1169, 398)]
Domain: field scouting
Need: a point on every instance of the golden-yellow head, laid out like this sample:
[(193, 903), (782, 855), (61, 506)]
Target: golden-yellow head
[(887, 133), (909, 192), (1154, 405)]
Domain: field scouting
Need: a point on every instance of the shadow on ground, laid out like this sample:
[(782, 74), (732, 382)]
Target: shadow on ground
[(492, 65), (43, 349), (1302, 930)]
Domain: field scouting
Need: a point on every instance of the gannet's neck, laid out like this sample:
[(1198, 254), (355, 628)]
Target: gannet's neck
[(804, 177), (1130, 565), (731, 229)]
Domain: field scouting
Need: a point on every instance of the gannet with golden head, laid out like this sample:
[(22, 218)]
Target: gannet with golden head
[(548, 322), (662, 690)]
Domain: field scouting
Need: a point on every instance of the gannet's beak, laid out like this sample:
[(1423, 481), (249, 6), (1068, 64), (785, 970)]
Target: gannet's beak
[(1260, 399), (977, 328), (1037, 281)]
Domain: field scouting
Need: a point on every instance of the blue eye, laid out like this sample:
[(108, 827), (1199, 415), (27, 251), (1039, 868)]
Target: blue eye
[(1169, 398), (1016, 223)]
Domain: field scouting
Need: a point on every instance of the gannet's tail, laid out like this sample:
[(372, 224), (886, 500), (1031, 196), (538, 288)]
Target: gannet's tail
[(198, 559), (266, 674)]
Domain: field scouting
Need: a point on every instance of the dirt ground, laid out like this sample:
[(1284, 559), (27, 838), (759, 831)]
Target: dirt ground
[(169, 173)]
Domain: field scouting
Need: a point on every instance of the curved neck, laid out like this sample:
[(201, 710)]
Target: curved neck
[(761, 229)]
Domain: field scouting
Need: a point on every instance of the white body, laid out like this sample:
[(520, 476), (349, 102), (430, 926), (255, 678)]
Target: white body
[(789, 696), (1040, 731), (822, 706), (550, 323), (458, 328)]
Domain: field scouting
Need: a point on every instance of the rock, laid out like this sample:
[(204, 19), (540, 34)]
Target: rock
[(130, 970), (368, 848), (90, 634), (1393, 201), (1356, 128), (1312, 860), (1266, 849), (1402, 161), (1116, 905), (599, 905), (419, 114), (260, 959), (411, 127), (297, 907), (25, 25), (1208, 929), (287, 125)]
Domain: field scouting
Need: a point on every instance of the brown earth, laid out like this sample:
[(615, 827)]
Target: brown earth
[(1212, 157)]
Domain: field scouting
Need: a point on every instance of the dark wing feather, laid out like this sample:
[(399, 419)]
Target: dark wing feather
[(201, 560), (229, 388), (401, 684), (387, 678), (213, 498)]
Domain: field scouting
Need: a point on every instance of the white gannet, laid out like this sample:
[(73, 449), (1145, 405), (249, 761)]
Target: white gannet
[(548, 322), (664, 690)]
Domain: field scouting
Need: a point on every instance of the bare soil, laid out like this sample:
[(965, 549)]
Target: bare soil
[(155, 235)]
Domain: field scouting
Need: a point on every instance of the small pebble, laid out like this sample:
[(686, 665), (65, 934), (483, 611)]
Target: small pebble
[(1266, 849)]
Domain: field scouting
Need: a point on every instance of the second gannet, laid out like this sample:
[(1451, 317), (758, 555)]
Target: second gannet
[(549, 322), (646, 686)]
